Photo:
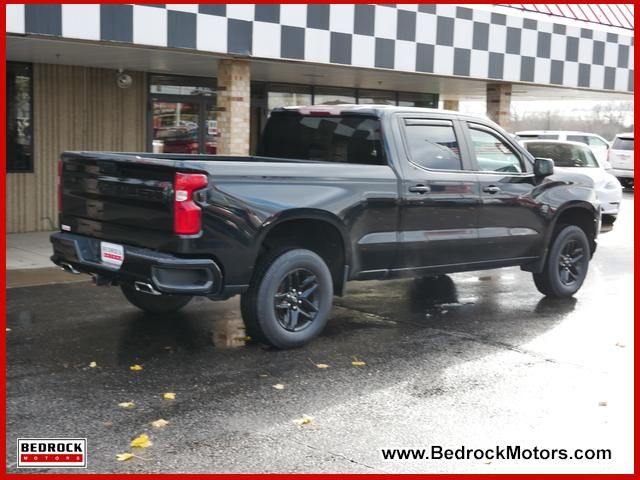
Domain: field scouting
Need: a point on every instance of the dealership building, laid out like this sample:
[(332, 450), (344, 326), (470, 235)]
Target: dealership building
[(188, 78)]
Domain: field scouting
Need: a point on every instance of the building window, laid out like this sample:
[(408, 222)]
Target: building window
[(376, 97), (19, 117), (280, 95), (422, 100), (333, 95), (176, 85)]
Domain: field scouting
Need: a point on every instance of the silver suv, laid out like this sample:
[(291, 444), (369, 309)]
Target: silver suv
[(621, 158)]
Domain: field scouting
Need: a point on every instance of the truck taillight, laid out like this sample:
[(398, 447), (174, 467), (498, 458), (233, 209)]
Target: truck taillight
[(60, 188), (187, 215)]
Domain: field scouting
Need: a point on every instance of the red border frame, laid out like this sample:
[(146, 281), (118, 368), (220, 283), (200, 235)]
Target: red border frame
[(3, 343)]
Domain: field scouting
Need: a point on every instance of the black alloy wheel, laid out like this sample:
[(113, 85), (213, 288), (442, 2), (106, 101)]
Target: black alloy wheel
[(566, 264), (296, 301), (571, 263)]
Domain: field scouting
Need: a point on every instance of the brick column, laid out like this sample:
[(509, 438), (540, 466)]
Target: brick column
[(451, 105), (234, 107), (499, 104)]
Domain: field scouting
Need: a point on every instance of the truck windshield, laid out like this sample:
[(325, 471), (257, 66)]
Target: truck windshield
[(345, 139)]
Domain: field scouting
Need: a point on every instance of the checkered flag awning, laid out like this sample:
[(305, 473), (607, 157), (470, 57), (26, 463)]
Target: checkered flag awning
[(451, 40)]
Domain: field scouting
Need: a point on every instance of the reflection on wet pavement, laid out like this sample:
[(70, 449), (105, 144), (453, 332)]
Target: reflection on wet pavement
[(228, 331)]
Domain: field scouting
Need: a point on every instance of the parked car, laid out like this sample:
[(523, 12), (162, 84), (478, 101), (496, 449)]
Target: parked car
[(598, 144), (184, 139), (576, 156), (621, 158), (348, 192)]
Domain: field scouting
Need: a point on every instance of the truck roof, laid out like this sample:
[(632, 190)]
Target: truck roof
[(625, 135), (373, 110), (554, 132)]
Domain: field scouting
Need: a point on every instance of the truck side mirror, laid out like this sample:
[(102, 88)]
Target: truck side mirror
[(543, 167)]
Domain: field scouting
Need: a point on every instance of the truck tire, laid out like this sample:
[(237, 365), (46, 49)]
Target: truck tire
[(288, 302), (626, 183), (566, 265), (154, 303)]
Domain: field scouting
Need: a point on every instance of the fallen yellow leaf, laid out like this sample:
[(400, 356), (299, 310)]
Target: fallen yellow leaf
[(93, 365), (322, 365), (305, 420), (159, 423), (278, 386), (245, 338), (123, 457), (358, 363), (126, 404), (141, 442), (8, 329), (169, 396), (135, 368)]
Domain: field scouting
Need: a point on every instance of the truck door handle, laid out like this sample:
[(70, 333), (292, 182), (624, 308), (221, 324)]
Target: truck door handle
[(420, 189), (491, 189)]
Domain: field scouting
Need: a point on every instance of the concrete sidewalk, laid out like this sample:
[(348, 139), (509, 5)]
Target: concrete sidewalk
[(28, 250), (28, 262)]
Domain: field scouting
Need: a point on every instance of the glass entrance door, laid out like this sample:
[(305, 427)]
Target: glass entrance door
[(182, 114), (183, 125)]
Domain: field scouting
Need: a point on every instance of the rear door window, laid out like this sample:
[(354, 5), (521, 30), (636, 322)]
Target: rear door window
[(345, 139), (433, 144)]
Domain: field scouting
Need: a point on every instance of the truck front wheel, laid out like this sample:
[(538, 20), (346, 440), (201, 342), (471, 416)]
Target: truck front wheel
[(289, 299), (566, 265), (154, 303)]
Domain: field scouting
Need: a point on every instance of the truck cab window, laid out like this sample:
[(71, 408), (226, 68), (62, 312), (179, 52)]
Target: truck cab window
[(433, 146), (344, 139), (492, 154)]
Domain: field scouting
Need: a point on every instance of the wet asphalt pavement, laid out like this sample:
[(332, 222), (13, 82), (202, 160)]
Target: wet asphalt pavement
[(477, 359)]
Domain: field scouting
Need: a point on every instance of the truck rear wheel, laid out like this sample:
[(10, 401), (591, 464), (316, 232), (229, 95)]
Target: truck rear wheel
[(154, 303), (566, 265), (289, 300)]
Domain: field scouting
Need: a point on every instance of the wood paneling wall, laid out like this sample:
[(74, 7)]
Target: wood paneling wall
[(75, 108)]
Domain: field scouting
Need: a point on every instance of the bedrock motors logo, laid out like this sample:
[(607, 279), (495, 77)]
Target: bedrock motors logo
[(52, 452)]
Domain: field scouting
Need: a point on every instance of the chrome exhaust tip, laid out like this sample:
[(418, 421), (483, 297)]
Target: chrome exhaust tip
[(145, 288), (68, 268)]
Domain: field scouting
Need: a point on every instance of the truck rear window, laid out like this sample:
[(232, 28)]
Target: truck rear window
[(345, 139), (621, 143)]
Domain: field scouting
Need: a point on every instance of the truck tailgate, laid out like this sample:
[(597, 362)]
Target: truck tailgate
[(117, 200)]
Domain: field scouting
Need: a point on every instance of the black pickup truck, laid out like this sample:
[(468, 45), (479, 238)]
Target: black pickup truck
[(337, 193)]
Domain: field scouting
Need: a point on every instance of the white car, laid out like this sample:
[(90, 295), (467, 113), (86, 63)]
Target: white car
[(598, 144), (621, 158), (574, 156)]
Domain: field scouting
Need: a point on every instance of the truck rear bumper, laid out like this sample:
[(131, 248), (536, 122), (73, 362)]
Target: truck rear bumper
[(166, 273)]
